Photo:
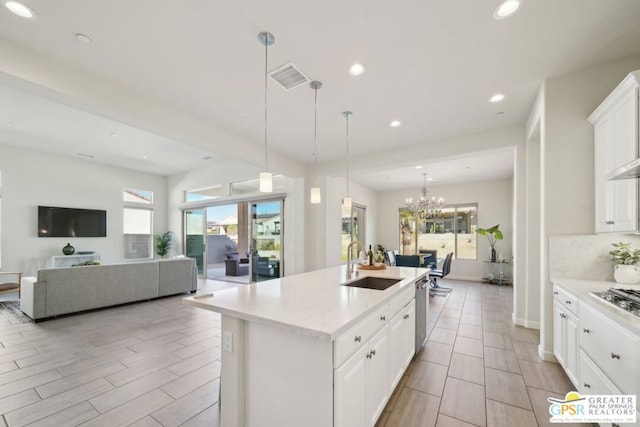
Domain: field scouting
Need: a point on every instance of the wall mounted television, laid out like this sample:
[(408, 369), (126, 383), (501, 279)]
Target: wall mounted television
[(71, 222)]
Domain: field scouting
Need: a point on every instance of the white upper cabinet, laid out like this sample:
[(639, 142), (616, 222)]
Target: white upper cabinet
[(616, 123)]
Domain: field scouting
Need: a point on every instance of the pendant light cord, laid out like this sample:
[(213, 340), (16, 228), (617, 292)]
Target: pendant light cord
[(315, 137), (347, 153), (266, 159)]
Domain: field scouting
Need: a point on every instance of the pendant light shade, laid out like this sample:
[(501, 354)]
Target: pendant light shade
[(314, 196), (346, 202), (266, 182), (266, 179)]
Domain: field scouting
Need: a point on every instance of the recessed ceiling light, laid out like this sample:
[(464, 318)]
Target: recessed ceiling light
[(418, 167), (20, 9), (429, 179), (496, 98), (145, 157), (90, 156), (83, 38), (500, 114), (506, 9), (395, 123), (357, 69), (114, 134)]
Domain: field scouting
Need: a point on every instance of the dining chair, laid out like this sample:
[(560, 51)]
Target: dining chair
[(407, 260)]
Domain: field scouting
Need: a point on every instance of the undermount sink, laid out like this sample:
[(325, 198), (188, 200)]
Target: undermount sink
[(369, 282)]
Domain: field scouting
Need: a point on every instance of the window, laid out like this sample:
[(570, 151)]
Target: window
[(251, 186), (452, 230), (131, 195), (138, 237), (353, 226), (208, 193)]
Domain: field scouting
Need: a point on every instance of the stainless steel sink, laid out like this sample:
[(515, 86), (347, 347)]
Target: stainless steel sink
[(368, 282)]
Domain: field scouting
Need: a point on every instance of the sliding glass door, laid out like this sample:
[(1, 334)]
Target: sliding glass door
[(195, 234), (266, 245)]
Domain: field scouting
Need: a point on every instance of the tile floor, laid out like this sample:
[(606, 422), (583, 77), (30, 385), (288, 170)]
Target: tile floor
[(158, 364), (476, 368)]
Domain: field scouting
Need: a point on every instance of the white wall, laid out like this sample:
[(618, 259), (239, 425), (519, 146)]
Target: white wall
[(31, 178), (331, 229), (495, 206), (567, 163)]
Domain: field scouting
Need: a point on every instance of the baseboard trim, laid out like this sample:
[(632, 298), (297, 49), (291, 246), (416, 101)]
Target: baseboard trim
[(531, 324), (547, 356), (516, 320), (465, 278)]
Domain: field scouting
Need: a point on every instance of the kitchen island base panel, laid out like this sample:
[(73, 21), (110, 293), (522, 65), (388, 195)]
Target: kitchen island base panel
[(284, 370)]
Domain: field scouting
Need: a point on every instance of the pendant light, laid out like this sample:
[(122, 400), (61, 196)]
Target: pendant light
[(266, 179), (315, 196), (346, 202)]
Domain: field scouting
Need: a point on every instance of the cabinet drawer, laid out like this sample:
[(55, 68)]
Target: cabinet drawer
[(612, 349), (569, 301), (347, 343), (592, 380), (398, 302)]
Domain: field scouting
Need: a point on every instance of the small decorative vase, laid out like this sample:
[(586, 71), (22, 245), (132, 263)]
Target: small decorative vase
[(68, 250), (626, 274), (493, 255)]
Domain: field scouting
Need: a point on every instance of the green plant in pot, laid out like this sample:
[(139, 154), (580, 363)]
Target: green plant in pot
[(164, 243), (625, 258), (493, 235)]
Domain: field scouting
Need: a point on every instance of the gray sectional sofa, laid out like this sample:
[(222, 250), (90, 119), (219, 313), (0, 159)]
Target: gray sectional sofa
[(57, 291)]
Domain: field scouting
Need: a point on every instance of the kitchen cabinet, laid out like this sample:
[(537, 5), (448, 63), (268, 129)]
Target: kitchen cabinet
[(383, 349), (613, 351), (362, 383), (615, 124), (566, 332), (402, 331)]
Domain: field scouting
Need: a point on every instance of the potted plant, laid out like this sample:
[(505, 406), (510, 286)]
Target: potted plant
[(625, 258), (493, 235), (164, 242)]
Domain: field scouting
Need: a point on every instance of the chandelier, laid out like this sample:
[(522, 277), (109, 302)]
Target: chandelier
[(423, 206)]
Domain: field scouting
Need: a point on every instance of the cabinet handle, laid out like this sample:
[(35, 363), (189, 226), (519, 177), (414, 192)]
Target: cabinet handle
[(369, 356), (383, 318), (563, 315), (615, 425), (358, 338), (373, 352), (615, 356), (586, 331), (587, 385), (405, 317), (555, 292), (568, 302), (610, 222)]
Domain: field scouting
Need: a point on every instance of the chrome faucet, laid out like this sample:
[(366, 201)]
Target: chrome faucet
[(349, 259)]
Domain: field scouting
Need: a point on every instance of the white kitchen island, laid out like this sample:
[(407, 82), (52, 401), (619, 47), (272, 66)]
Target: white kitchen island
[(306, 350)]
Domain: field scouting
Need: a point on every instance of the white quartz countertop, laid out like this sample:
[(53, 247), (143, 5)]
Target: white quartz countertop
[(582, 288), (312, 303)]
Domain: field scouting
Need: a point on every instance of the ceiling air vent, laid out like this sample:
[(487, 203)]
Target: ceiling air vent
[(289, 76)]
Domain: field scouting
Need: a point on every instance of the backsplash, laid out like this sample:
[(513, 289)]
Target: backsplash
[(585, 256)]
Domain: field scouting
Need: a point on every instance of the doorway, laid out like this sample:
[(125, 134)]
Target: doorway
[(236, 242)]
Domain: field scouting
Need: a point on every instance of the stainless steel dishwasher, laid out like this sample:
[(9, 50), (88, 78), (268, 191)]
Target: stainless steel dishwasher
[(421, 311)]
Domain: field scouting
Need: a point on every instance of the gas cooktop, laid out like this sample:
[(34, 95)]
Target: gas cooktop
[(627, 300)]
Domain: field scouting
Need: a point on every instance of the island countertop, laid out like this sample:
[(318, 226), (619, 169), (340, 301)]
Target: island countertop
[(312, 303)]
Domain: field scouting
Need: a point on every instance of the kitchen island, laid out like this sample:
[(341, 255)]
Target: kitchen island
[(307, 350)]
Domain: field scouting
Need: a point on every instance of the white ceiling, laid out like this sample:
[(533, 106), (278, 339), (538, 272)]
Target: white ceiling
[(431, 64)]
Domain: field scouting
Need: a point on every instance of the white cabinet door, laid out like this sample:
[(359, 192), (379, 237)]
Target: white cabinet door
[(402, 335), (349, 391), (571, 347), (378, 387), (559, 332), (616, 143)]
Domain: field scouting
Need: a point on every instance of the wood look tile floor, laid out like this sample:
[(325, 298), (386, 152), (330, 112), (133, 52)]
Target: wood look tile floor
[(158, 364), (476, 368)]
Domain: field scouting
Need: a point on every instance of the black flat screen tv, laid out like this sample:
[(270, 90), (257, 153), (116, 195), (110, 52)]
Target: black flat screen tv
[(70, 222)]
